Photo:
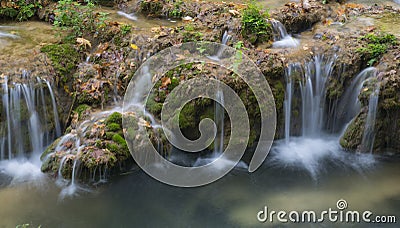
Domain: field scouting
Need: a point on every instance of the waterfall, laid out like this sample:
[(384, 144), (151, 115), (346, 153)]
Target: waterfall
[(313, 91), (367, 143), (289, 74), (129, 16), (55, 112), (225, 38), (25, 127), (349, 104), (313, 79), (314, 148), (219, 119), (281, 38), (25, 109)]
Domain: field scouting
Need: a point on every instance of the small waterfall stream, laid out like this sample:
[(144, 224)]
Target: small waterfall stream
[(315, 147), (367, 143), (26, 125), (219, 119), (281, 37), (314, 75), (349, 105)]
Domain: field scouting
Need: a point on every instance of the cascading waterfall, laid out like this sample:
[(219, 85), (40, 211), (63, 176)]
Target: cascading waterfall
[(55, 112), (313, 91), (281, 37), (130, 16), (349, 104), (367, 143), (314, 75), (25, 104), (225, 38), (290, 71), (28, 115), (314, 147), (219, 118)]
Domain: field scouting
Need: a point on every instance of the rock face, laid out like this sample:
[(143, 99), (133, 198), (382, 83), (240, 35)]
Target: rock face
[(298, 17)]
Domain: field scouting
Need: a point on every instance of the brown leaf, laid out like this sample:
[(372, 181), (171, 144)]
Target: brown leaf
[(165, 81)]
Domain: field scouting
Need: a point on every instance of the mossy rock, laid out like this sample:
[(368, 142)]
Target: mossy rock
[(64, 58), (115, 117), (81, 109), (113, 127), (352, 138)]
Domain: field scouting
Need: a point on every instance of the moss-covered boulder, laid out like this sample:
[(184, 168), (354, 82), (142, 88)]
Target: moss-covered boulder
[(95, 143)]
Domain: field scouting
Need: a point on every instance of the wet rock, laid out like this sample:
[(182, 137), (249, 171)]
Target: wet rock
[(95, 142), (298, 17)]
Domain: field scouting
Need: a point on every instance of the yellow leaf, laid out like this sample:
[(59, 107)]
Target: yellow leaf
[(134, 47)]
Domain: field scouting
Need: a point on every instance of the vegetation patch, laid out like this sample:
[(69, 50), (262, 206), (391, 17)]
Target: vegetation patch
[(21, 10), (255, 27), (377, 44)]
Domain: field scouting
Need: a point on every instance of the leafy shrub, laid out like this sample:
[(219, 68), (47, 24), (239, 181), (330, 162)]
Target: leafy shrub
[(21, 10), (255, 27), (78, 17)]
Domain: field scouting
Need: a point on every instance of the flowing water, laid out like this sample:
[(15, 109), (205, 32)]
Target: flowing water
[(303, 172), (27, 114), (367, 143), (138, 200), (281, 38)]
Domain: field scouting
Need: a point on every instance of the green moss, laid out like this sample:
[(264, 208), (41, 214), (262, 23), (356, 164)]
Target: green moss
[(81, 109), (119, 139), (116, 117), (152, 8), (278, 91), (353, 136), (153, 106), (187, 117), (50, 149), (114, 127), (64, 58), (113, 148), (119, 146), (109, 135), (86, 98)]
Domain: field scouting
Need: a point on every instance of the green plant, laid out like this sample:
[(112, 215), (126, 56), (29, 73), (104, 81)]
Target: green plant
[(21, 10), (255, 27), (79, 18), (376, 45), (239, 45), (189, 27), (176, 12), (192, 36), (125, 29)]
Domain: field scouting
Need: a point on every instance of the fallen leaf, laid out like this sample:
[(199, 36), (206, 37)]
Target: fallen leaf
[(134, 47), (165, 81)]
